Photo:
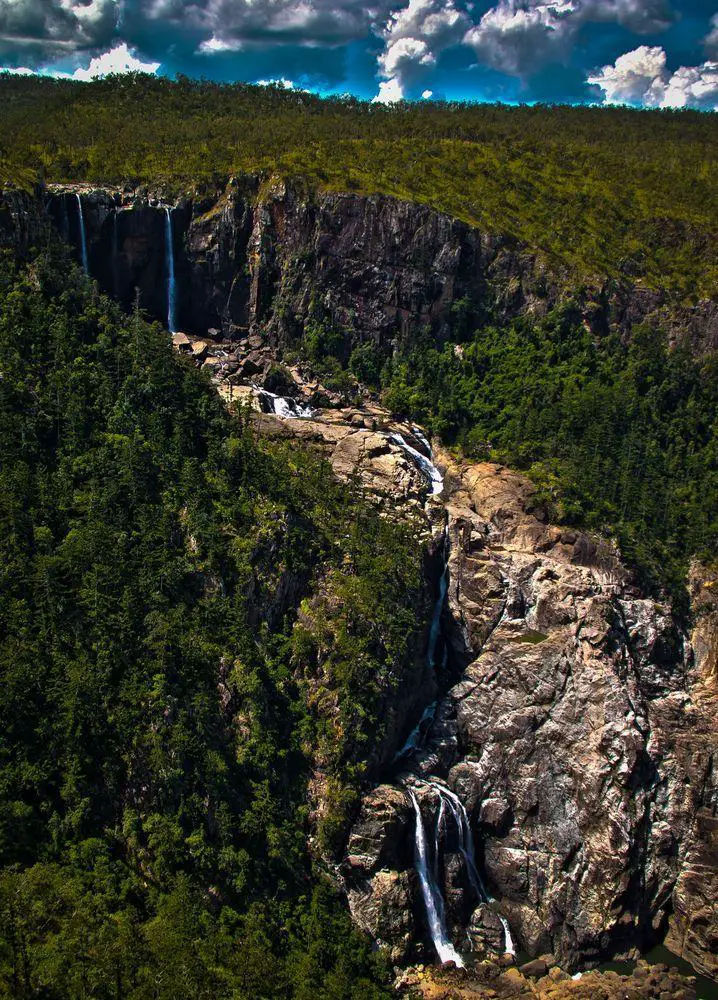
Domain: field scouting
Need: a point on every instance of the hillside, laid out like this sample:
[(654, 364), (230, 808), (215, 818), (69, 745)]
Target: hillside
[(358, 532), (602, 192)]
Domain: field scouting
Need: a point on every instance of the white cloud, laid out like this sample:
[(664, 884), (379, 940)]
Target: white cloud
[(427, 94), (641, 77), (515, 37), (117, 60), (413, 40), (519, 36), (286, 84), (390, 91)]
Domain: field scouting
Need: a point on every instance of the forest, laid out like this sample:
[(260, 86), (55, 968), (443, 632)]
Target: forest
[(621, 438), (156, 738), (599, 191)]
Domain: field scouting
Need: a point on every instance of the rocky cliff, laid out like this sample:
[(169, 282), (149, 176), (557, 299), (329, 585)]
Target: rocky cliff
[(581, 737), (575, 721), (273, 257)]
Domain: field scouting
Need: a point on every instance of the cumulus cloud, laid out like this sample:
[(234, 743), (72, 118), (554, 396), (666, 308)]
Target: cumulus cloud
[(413, 40), (39, 30), (520, 36), (117, 60), (641, 77)]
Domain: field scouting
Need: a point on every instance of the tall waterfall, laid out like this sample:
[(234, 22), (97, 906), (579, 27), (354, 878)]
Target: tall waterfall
[(83, 235), (450, 802), (435, 627), (433, 900), (170, 271)]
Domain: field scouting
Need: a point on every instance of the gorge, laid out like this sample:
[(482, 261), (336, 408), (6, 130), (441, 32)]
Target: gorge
[(546, 781)]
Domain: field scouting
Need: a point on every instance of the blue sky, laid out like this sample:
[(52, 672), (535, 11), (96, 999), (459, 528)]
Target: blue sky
[(654, 53)]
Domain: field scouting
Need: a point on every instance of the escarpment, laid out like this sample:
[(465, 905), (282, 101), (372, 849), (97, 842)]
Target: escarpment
[(271, 257), (545, 780)]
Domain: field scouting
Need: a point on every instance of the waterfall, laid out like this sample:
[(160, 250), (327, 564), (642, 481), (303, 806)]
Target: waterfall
[(466, 847), (433, 900), (418, 733), (170, 270), (435, 627), (83, 235), (282, 406), (425, 465)]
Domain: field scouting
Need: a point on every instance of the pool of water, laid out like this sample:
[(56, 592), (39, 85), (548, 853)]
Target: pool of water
[(706, 989)]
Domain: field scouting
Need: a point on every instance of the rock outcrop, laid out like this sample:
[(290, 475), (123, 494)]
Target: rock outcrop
[(585, 739), (544, 980), (273, 257)]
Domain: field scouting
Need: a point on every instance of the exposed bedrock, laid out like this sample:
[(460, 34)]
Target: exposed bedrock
[(584, 745), (271, 257)]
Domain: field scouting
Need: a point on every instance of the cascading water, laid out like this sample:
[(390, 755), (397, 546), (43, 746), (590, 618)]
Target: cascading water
[(466, 848), (170, 271), (435, 627), (83, 235), (283, 406), (434, 477), (433, 900), (418, 734)]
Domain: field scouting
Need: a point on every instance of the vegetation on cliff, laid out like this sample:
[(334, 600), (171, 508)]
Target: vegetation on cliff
[(621, 438), (156, 740), (601, 192)]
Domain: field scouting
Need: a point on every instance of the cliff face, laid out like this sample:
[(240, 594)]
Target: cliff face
[(581, 738), (375, 268)]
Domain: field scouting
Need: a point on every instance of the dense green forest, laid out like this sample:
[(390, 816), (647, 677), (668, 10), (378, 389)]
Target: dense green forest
[(156, 737), (620, 438), (600, 191)]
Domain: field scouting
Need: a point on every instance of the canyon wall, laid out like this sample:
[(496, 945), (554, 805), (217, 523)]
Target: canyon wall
[(581, 737), (580, 729), (273, 257)]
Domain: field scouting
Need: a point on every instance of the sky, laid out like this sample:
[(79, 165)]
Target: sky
[(650, 53)]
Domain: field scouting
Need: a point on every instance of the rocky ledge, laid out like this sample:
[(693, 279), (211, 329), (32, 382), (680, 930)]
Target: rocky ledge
[(544, 980)]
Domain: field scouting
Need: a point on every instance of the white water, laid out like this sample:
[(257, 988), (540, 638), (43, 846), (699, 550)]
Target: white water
[(170, 270), (83, 236), (284, 406), (432, 897), (420, 436), (434, 477), (466, 847)]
